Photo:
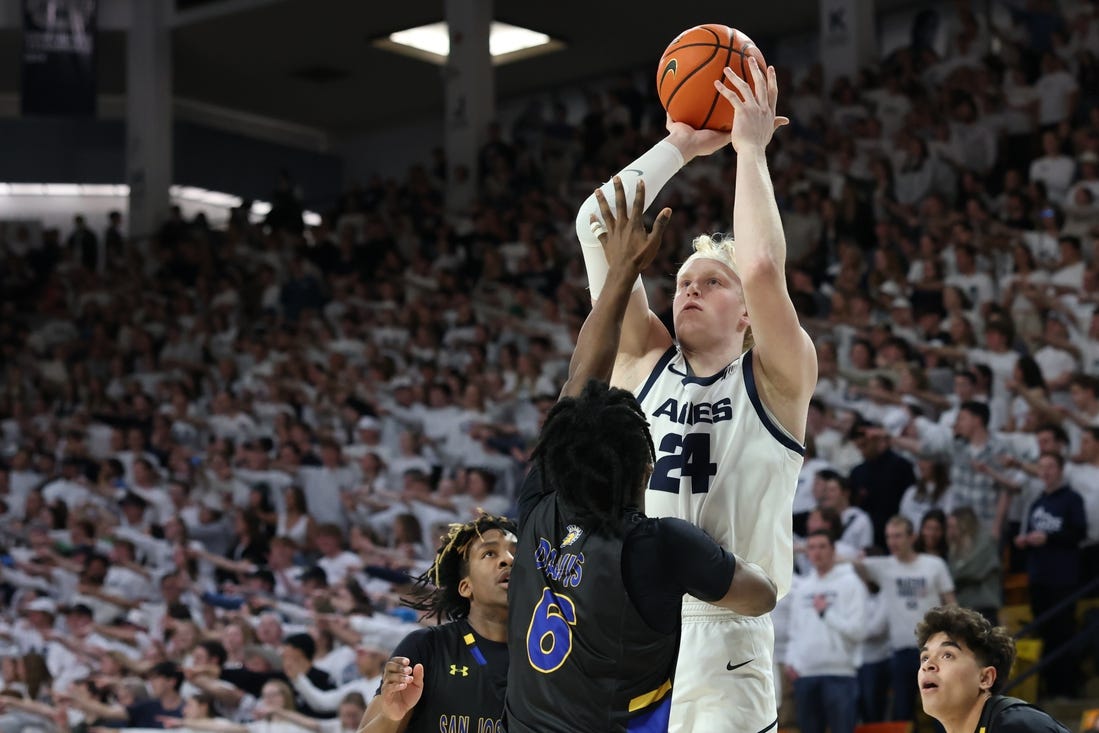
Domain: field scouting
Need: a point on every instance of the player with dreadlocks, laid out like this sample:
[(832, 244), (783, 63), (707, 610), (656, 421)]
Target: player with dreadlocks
[(452, 676), (597, 586)]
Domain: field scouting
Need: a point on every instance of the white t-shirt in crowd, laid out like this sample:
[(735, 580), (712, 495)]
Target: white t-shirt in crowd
[(858, 530), (1056, 172), (977, 286), (337, 568), (1054, 91), (913, 507), (1001, 364), (909, 591), (1054, 362)]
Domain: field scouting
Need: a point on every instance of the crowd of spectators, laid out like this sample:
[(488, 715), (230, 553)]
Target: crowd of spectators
[(224, 453)]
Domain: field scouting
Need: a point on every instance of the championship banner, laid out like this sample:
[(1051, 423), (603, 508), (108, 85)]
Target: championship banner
[(59, 57)]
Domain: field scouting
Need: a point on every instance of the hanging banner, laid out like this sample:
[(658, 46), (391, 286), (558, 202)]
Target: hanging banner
[(59, 57)]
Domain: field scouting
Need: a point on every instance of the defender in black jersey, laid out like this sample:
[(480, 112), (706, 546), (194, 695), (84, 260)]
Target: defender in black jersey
[(597, 587), (451, 677), (964, 664)]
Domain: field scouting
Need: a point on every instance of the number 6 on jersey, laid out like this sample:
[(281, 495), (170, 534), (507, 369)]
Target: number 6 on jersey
[(549, 637)]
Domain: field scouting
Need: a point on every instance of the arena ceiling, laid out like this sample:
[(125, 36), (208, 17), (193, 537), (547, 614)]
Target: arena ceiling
[(311, 62)]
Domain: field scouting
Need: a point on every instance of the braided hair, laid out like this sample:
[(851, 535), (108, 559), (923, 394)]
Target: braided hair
[(435, 592), (596, 452)]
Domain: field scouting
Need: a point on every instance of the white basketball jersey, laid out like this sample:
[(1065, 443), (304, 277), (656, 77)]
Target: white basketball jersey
[(722, 462)]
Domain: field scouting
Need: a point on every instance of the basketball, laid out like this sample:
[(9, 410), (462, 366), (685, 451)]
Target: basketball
[(689, 66)]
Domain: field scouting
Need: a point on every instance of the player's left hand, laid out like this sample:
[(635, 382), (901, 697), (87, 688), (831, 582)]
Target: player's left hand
[(625, 242), (754, 117)]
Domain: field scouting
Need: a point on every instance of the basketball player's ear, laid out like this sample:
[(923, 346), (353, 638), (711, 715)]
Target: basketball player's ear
[(988, 679), (465, 588)]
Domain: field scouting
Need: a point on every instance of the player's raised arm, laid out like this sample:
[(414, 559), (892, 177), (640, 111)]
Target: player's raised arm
[(786, 357), (629, 250), (642, 331)]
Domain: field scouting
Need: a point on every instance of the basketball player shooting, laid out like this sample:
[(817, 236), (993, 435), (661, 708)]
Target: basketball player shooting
[(728, 417)]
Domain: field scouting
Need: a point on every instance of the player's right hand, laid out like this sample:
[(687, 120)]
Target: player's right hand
[(625, 242), (402, 686), (692, 143)]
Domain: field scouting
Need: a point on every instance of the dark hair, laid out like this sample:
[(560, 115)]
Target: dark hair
[(992, 645), (1071, 240), (1058, 432), (967, 376), (363, 604), (938, 481), (825, 534), (978, 410), (1002, 328), (1085, 381), (939, 516), (170, 670), (216, 650), (206, 699), (304, 643), (1031, 373), (435, 592), (596, 452), (832, 518)]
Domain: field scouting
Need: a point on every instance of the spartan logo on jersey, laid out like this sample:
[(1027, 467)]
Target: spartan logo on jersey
[(573, 535), (455, 670)]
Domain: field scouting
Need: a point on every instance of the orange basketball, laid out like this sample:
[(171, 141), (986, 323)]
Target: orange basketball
[(689, 66)]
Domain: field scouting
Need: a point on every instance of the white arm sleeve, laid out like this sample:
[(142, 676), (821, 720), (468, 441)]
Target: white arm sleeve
[(657, 167), (323, 701)]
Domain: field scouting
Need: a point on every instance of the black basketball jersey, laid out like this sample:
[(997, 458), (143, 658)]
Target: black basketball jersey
[(464, 679), (582, 659), (1002, 714)]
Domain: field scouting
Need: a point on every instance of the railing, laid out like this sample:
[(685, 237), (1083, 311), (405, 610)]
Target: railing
[(1050, 612), (1050, 656)]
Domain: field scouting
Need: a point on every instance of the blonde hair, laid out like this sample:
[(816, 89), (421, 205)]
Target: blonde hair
[(716, 246), (720, 247)]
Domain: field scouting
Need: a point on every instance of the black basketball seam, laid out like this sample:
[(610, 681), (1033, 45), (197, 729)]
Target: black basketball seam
[(717, 94), (673, 49), (694, 71), (697, 67), (676, 49)]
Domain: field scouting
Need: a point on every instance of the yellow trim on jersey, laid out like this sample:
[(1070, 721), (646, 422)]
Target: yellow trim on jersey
[(643, 701), (468, 638)]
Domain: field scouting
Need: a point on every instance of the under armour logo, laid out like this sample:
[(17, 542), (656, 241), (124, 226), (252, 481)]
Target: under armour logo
[(455, 670)]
